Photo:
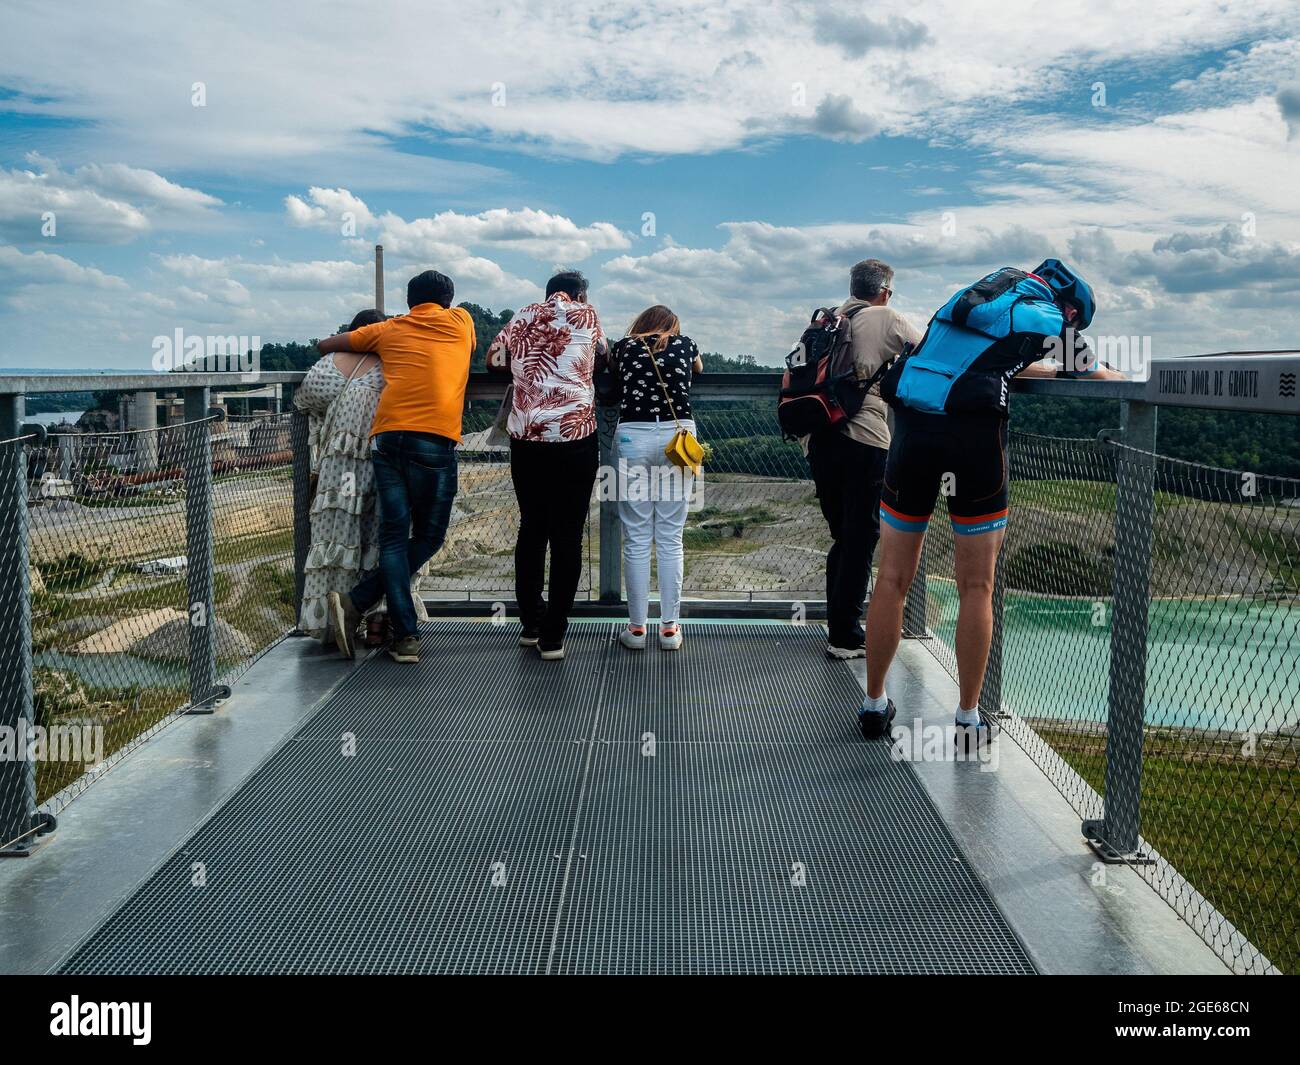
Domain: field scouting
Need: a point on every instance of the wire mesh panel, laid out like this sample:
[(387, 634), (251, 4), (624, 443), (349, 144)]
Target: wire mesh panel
[(17, 766), (252, 490), (113, 617), (477, 559), (754, 532), (108, 557), (756, 529), (1220, 752)]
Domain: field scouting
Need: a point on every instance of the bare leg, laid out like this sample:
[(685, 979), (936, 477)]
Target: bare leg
[(975, 562), (900, 553)]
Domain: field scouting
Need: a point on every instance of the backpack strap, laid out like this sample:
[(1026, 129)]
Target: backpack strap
[(986, 290)]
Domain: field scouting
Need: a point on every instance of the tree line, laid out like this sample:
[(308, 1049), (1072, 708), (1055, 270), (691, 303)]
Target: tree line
[(1261, 443)]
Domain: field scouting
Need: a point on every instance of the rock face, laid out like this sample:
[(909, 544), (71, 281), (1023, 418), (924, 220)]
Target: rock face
[(170, 642), (98, 421)]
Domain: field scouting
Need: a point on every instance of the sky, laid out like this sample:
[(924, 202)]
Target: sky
[(226, 169)]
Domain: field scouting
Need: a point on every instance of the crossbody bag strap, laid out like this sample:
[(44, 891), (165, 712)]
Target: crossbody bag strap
[(327, 421), (662, 384)]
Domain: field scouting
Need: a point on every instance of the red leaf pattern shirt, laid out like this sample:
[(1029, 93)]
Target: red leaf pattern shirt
[(552, 347)]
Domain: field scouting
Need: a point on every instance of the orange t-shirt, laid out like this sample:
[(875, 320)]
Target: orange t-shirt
[(425, 355)]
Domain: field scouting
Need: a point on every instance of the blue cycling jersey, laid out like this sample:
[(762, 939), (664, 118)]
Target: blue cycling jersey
[(975, 344)]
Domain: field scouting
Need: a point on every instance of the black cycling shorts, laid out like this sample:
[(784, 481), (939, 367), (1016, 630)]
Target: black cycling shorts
[(963, 457)]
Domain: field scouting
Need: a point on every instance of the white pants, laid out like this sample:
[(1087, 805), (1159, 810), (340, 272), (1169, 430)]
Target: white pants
[(652, 502)]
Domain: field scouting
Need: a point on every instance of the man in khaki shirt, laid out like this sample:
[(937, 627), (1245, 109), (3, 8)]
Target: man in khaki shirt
[(848, 464)]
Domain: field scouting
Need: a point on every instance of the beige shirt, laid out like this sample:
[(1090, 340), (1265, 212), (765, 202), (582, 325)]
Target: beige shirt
[(877, 335)]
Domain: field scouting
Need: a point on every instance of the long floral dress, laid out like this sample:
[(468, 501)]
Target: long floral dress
[(344, 541)]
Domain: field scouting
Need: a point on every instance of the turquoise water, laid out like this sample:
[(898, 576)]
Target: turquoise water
[(1218, 664), (116, 670)]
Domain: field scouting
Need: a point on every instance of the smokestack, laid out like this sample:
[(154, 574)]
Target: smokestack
[(379, 278)]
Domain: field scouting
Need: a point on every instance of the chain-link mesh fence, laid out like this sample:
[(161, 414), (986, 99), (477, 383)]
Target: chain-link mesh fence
[(17, 769), (477, 559), (253, 564), (755, 531), (1220, 755), (113, 605)]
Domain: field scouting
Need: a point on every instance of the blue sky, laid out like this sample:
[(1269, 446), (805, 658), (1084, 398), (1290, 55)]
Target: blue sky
[(774, 145)]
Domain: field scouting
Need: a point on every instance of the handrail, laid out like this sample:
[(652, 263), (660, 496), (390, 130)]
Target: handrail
[(1265, 382)]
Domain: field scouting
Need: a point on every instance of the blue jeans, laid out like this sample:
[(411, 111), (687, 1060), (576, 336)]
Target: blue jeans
[(415, 482)]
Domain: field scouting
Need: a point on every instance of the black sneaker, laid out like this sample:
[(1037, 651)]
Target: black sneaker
[(551, 652), (407, 649), (971, 737), (842, 651), (875, 723), (529, 638)]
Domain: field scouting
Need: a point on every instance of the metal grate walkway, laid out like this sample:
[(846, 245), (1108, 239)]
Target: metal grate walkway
[(708, 811)]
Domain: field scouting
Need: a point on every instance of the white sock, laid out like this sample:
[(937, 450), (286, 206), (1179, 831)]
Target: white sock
[(875, 706), (968, 717)]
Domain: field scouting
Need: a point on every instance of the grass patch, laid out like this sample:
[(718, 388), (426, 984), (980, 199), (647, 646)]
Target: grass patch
[(73, 572), (124, 712), (243, 548), (1280, 554), (1227, 823)]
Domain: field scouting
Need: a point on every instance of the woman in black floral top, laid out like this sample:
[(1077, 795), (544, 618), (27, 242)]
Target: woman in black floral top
[(653, 366), (678, 360)]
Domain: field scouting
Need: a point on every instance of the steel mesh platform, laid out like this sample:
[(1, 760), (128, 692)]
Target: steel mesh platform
[(708, 811)]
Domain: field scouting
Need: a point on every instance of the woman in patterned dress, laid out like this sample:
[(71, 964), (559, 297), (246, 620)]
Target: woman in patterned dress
[(343, 524)]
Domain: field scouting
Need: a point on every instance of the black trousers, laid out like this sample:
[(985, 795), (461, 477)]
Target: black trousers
[(553, 483), (848, 476)]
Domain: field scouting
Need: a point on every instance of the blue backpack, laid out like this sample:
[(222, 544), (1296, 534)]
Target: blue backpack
[(975, 343)]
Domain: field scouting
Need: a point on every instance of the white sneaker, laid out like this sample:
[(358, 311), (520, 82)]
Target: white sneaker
[(670, 637), (633, 641)]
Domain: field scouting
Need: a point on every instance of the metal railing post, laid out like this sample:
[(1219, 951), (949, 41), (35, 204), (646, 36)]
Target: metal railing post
[(611, 529), (1115, 836), (298, 441), (991, 691), (914, 607), (19, 820), (198, 549)]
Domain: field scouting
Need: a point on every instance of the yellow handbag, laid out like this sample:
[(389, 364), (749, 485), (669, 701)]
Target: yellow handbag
[(684, 450)]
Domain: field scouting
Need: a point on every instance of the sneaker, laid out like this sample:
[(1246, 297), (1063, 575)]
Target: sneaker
[(875, 724), (970, 737), (550, 652), (407, 649), (670, 637), (346, 619), (835, 650), (633, 637), (529, 638)]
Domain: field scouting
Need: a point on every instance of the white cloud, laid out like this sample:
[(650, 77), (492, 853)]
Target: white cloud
[(97, 203), (546, 237), (47, 268), (336, 210), (701, 77)]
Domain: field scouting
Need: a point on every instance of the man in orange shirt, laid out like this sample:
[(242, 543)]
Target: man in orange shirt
[(425, 355)]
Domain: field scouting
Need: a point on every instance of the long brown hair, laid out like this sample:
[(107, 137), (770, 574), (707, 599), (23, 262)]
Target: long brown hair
[(657, 321)]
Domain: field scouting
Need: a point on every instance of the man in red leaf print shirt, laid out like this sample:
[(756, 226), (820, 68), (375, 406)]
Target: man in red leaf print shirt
[(549, 349)]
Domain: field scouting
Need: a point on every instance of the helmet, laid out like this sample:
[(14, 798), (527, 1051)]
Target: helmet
[(1069, 288)]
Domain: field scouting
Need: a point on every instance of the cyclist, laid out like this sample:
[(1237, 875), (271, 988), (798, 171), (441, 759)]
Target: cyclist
[(950, 401)]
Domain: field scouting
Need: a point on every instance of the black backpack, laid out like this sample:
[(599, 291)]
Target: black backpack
[(821, 388)]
